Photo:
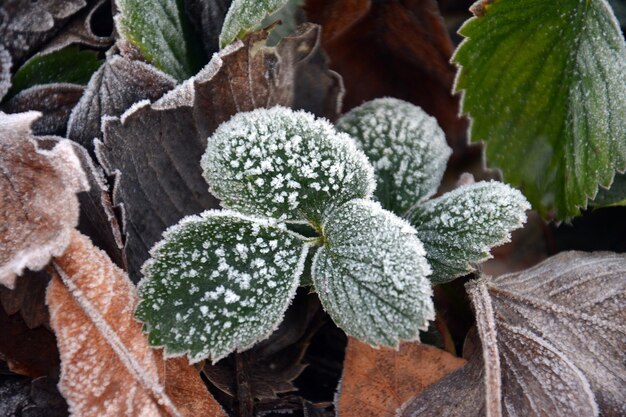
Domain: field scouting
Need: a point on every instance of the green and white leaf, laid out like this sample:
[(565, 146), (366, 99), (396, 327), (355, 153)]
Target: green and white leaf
[(68, 65), (285, 164), (162, 33), (406, 146), (244, 16), (545, 85), (459, 228), (218, 282), (371, 275)]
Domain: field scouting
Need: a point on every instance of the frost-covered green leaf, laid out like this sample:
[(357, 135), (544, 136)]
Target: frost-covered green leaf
[(244, 16), (284, 164), (459, 228), (406, 146), (161, 31), (68, 65), (545, 85), (371, 275), (218, 282)]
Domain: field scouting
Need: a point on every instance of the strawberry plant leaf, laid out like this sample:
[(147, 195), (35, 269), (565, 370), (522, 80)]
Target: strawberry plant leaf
[(244, 16), (371, 275), (67, 65), (406, 146), (545, 86), (459, 228), (162, 33), (217, 283), (284, 164)]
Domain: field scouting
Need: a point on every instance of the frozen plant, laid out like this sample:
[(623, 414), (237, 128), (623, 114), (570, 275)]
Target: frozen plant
[(221, 281)]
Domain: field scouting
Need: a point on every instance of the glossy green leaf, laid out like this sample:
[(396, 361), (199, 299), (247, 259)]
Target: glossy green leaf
[(218, 282), (545, 85), (284, 164), (371, 275), (162, 33), (459, 228), (405, 145), (244, 16), (67, 65)]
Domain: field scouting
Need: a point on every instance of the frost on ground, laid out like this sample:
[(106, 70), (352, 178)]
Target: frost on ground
[(285, 164), (219, 282), (371, 275), (459, 228), (405, 145)]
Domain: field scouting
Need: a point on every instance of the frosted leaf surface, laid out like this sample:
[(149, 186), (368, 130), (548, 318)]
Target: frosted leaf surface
[(459, 228), (217, 283), (38, 193), (106, 362), (545, 86), (284, 164), (5, 71), (405, 145), (244, 16), (162, 33), (371, 275)]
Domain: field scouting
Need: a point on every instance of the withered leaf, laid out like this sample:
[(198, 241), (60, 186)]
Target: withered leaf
[(397, 48), (117, 85), (553, 340), (376, 382), (54, 101), (37, 190), (28, 298), (5, 71), (106, 363), (170, 135), (25, 25)]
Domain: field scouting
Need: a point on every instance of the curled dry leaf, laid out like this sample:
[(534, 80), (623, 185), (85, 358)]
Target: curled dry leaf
[(376, 382), (553, 340), (38, 194), (54, 101), (165, 137), (106, 362)]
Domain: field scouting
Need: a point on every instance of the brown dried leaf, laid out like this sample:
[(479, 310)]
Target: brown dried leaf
[(38, 193), (54, 101), (28, 298), (397, 48), (169, 136), (376, 382), (553, 340), (106, 363)]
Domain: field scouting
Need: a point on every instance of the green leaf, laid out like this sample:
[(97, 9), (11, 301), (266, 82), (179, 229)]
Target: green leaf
[(67, 65), (162, 33), (218, 282), (406, 146), (284, 164), (371, 275), (459, 228), (244, 16), (545, 85), (614, 196)]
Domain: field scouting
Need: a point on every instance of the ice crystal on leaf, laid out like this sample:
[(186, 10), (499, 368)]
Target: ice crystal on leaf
[(284, 164), (406, 146), (244, 16), (460, 227), (371, 275), (219, 282)]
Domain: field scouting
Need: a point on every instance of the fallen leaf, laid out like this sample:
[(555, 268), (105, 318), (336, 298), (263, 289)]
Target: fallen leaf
[(376, 382), (170, 135), (552, 337), (28, 298), (26, 25), (117, 85), (106, 363), (38, 191), (397, 48), (54, 101)]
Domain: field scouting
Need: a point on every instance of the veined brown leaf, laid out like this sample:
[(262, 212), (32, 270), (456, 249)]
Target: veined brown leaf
[(107, 367)]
